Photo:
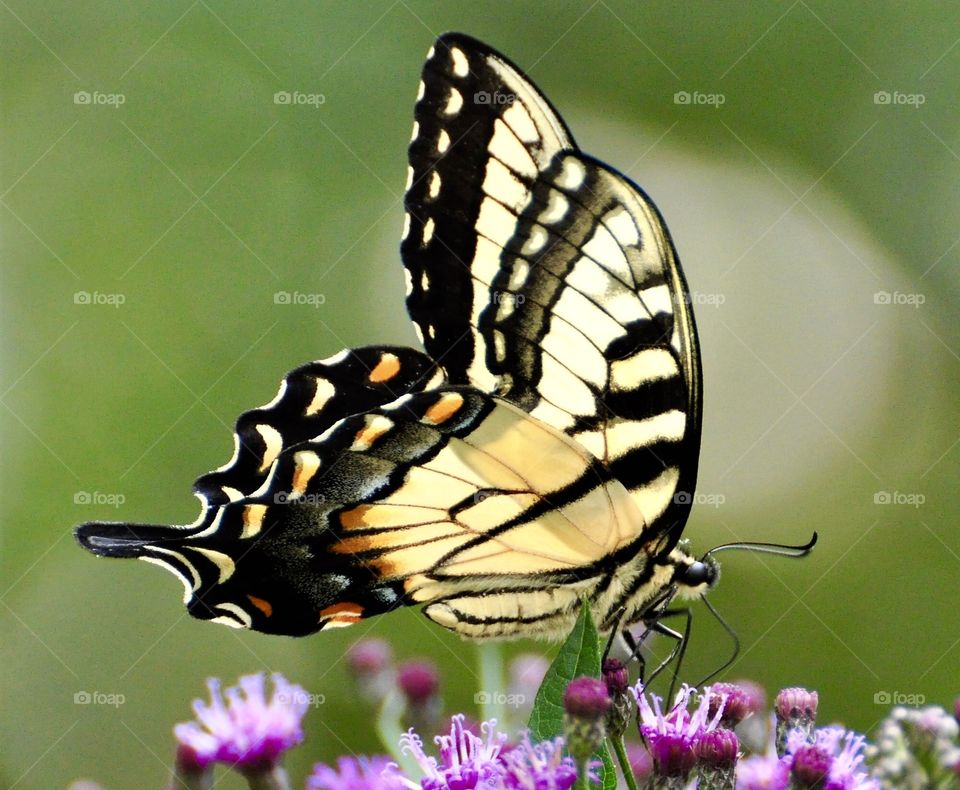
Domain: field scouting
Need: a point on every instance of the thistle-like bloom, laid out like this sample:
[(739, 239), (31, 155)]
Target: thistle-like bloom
[(835, 761), (796, 710), (466, 760), (370, 663), (358, 773), (540, 766), (247, 732), (617, 680), (717, 753), (585, 704), (672, 736), (916, 748)]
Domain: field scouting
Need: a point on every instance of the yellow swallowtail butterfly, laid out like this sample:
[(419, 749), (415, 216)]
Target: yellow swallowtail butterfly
[(543, 451)]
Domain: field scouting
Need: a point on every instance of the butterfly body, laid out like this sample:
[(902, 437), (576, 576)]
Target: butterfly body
[(542, 452)]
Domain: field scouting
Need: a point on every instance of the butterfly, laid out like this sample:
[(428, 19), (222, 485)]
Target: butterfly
[(542, 452)]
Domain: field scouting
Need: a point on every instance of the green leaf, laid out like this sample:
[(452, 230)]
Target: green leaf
[(579, 655)]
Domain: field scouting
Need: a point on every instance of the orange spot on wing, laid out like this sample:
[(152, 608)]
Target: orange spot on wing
[(353, 518), (340, 614), (367, 435), (386, 369), (262, 605), (441, 411)]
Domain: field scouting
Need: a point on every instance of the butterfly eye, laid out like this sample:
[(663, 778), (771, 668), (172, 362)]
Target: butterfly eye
[(696, 574)]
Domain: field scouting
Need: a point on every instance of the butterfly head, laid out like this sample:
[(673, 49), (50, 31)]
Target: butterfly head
[(693, 577)]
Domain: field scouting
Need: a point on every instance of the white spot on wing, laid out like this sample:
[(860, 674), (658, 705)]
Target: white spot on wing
[(321, 395), (443, 142), (572, 175), (408, 280), (538, 237), (406, 227), (461, 68), (434, 188), (416, 131), (454, 102), (557, 208), (273, 444), (244, 615), (223, 561), (409, 178), (427, 232), (421, 90)]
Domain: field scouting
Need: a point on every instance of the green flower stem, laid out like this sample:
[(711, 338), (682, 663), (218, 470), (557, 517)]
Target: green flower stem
[(390, 728), (583, 776), (492, 694), (274, 779), (625, 769), (191, 780)]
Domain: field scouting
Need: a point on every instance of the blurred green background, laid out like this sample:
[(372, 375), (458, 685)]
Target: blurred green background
[(810, 184)]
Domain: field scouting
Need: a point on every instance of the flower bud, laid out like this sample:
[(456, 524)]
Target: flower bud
[(617, 680), (585, 703), (796, 710)]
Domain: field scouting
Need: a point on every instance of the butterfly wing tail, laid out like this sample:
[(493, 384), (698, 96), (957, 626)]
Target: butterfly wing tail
[(119, 539)]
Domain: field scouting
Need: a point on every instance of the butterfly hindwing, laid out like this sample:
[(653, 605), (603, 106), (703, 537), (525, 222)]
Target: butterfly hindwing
[(311, 398)]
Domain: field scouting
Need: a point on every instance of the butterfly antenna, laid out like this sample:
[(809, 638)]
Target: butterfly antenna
[(780, 549)]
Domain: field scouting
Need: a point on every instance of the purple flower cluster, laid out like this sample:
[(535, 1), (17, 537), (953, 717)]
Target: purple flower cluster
[(711, 740), (248, 732)]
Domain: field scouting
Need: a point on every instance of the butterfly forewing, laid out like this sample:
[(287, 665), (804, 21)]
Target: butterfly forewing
[(541, 274)]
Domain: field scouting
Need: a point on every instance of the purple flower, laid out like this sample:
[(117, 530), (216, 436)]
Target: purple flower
[(540, 766), (672, 736), (586, 698), (358, 773), (248, 732), (466, 760), (419, 681)]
